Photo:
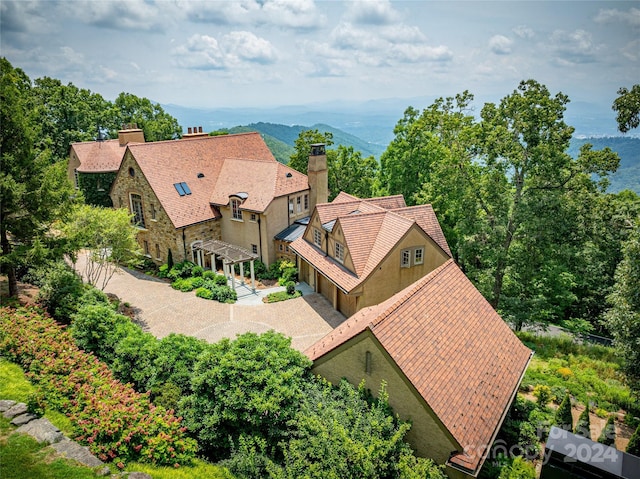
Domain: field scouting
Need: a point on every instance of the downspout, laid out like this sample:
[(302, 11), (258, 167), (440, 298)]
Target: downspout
[(288, 211), (326, 243), (260, 236), (184, 243)]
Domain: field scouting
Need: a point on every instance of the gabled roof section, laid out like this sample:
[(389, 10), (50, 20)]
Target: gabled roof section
[(198, 162), (453, 347), (261, 180), (99, 156), (427, 220)]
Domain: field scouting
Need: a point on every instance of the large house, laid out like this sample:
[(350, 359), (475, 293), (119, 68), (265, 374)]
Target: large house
[(211, 198), (451, 365), (359, 252), (93, 165)]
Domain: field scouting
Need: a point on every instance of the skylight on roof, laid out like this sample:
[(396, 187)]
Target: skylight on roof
[(182, 188)]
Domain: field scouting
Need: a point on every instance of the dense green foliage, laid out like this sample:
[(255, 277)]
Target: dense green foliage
[(116, 423), (563, 418), (95, 188), (623, 319), (627, 108), (250, 386), (634, 443), (518, 469), (608, 434), (583, 426)]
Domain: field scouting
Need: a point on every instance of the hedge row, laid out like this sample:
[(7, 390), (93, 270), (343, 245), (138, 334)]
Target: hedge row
[(117, 423)]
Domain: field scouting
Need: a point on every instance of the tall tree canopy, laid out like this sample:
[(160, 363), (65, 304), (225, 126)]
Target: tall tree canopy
[(513, 204), (150, 117), (627, 107), (33, 192)]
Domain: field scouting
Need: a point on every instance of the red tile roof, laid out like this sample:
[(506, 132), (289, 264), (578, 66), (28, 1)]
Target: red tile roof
[(245, 156), (99, 156), (453, 347), (371, 231), (262, 180)]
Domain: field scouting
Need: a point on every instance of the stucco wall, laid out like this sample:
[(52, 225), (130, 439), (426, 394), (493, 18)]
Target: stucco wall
[(160, 231), (426, 436)]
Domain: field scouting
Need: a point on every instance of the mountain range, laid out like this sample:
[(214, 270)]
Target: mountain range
[(368, 127)]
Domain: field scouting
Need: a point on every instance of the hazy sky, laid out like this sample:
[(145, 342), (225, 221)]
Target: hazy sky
[(286, 52)]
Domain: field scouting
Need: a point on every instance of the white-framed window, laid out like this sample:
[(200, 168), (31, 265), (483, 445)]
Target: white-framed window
[(253, 217), (405, 258), (418, 256), (317, 238), (146, 247), (236, 212), (306, 202), (339, 252), (136, 209), (280, 247), (290, 206), (286, 249), (299, 203)]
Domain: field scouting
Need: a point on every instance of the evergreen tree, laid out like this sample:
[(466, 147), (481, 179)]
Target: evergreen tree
[(634, 443), (608, 434), (563, 418), (583, 428)]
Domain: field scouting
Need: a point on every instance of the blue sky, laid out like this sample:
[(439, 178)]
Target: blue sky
[(266, 53)]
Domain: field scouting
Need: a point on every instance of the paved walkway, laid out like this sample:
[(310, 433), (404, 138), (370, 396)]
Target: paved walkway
[(161, 310)]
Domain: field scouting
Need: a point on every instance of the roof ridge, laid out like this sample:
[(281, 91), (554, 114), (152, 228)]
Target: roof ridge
[(197, 139)]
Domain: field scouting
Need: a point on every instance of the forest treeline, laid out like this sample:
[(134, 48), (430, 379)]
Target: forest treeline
[(530, 225)]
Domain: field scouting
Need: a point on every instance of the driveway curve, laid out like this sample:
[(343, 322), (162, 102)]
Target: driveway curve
[(161, 310)]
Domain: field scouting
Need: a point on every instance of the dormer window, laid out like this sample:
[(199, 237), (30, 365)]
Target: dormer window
[(236, 212), (317, 238)]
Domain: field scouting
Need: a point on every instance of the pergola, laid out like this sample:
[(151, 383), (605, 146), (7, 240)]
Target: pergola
[(230, 255)]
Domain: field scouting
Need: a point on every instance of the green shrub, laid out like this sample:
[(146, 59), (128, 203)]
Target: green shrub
[(543, 394), (282, 296), (220, 280), (518, 469), (204, 293), (60, 290), (36, 403), (98, 329), (225, 294), (608, 434), (563, 418), (116, 423), (208, 274), (163, 271), (583, 427), (197, 271), (188, 284), (251, 385), (291, 288), (541, 421), (528, 441), (181, 270), (634, 443), (134, 357)]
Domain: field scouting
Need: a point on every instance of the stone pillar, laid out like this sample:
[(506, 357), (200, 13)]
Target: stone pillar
[(213, 262), (242, 273), (253, 278)]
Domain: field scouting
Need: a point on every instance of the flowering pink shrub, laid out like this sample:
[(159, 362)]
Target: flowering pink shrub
[(117, 423)]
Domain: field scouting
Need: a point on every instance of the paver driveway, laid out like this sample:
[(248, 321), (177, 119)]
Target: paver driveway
[(162, 310)]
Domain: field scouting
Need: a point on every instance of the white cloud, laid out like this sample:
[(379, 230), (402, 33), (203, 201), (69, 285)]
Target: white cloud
[(372, 12), (613, 15), (120, 14), (203, 52), (296, 14), (573, 47), (631, 51), (246, 46), (500, 45), (524, 31)]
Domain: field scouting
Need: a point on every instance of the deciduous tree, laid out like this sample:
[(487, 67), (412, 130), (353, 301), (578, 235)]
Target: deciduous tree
[(300, 159), (627, 107)]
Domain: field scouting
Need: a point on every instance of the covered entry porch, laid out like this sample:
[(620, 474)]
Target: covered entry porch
[(229, 254)]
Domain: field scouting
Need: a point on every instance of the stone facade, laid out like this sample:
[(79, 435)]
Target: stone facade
[(158, 235)]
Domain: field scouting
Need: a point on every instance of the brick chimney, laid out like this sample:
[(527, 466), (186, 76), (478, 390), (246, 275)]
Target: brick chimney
[(194, 132), (318, 175), (130, 133)]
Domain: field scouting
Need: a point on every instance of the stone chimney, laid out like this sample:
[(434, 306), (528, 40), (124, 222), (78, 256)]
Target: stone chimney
[(318, 175), (130, 133), (194, 132)]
